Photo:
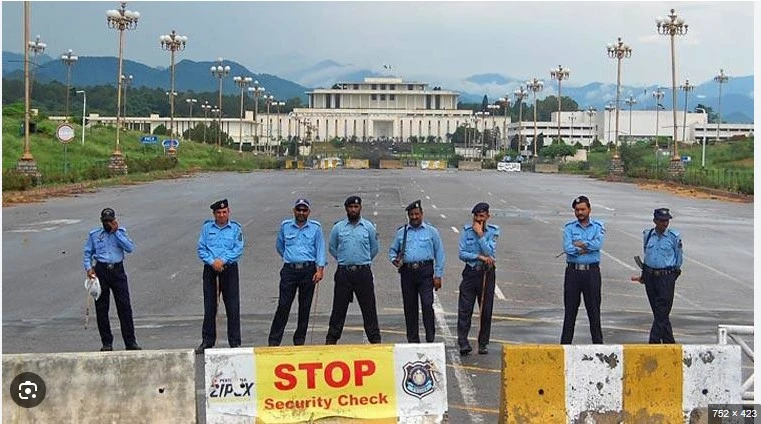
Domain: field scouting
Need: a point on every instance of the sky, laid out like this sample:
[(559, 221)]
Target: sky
[(452, 40)]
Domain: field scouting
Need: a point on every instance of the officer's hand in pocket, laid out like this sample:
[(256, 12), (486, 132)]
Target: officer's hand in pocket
[(436, 283)]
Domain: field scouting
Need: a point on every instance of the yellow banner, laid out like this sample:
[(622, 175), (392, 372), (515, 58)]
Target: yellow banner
[(295, 385)]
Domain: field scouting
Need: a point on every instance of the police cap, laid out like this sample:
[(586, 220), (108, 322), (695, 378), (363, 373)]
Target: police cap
[(353, 200), (107, 214), (480, 207), (580, 199), (301, 202), (662, 214), (414, 205), (219, 204)]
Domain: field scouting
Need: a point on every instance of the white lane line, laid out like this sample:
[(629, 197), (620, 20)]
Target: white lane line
[(498, 292), (503, 201), (428, 197), (422, 191), (377, 195), (171, 277), (248, 222), (631, 268), (516, 208), (464, 383), (375, 204), (541, 220), (605, 207), (375, 213), (433, 206), (489, 193), (443, 216), (455, 230)]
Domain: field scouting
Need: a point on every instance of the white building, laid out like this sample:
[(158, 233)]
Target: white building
[(391, 108)]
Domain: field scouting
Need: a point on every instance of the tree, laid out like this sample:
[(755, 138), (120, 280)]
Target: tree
[(484, 103), (713, 117), (558, 150)]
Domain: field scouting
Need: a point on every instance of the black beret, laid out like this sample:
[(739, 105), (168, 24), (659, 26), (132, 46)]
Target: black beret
[(480, 207), (107, 214), (219, 204), (353, 200), (580, 199), (662, 214), (413, 205), (301, 202)]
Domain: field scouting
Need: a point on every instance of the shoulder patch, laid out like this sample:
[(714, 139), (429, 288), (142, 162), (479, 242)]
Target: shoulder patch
[(317, 223), (467, 227)]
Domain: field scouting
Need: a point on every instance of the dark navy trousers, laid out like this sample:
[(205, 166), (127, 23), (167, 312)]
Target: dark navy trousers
[(360, 282), (660, 294), (418, 283), (292, 281), (114, 279), (589, 284), (230, 290), (472, 290)]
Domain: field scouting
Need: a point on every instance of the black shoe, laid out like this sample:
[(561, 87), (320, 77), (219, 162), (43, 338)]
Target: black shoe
[(235, 345), (464, 351), (107, 348), (483, 350), (134, 347), (202, 347)]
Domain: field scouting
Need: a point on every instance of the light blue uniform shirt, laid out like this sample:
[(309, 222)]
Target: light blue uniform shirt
[(471, 245), (423, 243), (662, 251), (353, 244), (304, 244), (593, 235), (224, 242), (106, 247)]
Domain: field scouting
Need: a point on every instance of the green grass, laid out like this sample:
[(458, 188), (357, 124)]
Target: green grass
[(99, 145)]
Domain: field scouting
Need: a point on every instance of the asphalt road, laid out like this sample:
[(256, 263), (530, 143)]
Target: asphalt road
[(44, 301)]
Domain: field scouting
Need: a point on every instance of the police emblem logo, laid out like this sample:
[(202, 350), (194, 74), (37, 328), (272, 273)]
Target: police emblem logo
[(418, 379)]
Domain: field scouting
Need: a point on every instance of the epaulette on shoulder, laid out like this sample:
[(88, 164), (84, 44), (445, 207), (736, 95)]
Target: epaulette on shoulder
[(236, 223), (208, 221), (317, 223), (573, 221), (95, 230), (496, 227), (285, 221)]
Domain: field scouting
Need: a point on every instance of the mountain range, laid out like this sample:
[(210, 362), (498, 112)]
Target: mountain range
[(736, 101)]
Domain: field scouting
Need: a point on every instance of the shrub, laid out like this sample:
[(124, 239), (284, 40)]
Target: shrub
[(15, 181)]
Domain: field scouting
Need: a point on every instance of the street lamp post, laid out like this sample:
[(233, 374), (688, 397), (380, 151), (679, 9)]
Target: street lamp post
[(535, 85), (505, 101), (493, 109), (672, 26), (559, 74), (36, 47), (269, 100), (26, 163), (84, 111), (120, 19), (241, 82), (256, 91), (220, 72), (126, 82), (573, 118), (206, 108), (686, 87), (68, 60), (173, 43), (591, 112), (279, 124), (190, 103), (721, 79), (703, 155), (610, 107), (618, 51), (520, 94), (658, 96), (630, 101)]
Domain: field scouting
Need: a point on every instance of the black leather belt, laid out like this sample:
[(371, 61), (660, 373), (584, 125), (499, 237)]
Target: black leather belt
[(583, 267), (661, 271), (353, 268), (416, 265), (479, 267), (299, 265), (110, 266)]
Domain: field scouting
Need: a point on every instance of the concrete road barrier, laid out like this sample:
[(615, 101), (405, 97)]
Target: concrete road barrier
[(547, 168), (469, 165), (106, 387), (356, 383), (433, 165), (617, 383), (390, 164), (357, 164)]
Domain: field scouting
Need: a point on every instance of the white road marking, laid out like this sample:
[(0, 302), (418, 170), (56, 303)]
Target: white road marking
[(503, 201), (498, 292), (489, 193), (171, 277), (375, 204), (375, 213), (248, 222), (293, 192), (605, 207), (377, 195), (428, 197), (516, 208), (422, 191), (465, 384), (541, 220), (455, 230), (433, 206), (443, 216)]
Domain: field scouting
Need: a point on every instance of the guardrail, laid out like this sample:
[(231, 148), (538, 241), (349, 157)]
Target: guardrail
[(734, 332)]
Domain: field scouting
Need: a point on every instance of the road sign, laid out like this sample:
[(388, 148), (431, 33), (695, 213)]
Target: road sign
[(65, 133), (687, 159), (171, 142), (149, 139)]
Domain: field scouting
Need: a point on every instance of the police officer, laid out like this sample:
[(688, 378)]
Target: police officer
[(418, 253), (220, 245), (302, 247), (478, 249), (662, 266), (104, 258), (354, 243), (582, 240)]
